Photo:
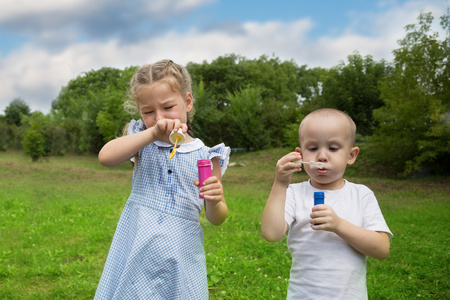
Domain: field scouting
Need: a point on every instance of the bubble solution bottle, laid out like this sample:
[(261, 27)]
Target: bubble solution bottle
[(319, 198), (204, 171)]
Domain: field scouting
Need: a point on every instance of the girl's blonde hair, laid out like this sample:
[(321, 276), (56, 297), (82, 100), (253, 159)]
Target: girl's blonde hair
[(166, 71), (176, 76)]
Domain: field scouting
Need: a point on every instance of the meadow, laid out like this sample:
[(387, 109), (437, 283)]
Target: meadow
[(58, 217)]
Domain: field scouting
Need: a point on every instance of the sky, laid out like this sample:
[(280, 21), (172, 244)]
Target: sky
[(45, 44)]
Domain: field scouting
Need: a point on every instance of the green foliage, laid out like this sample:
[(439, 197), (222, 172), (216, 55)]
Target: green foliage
[(5, 138), (35, 140), (353, 88), (90, 108), (208, 119), (414, 132), (247, 120), (278, 82), (11, 129), (15, 111)]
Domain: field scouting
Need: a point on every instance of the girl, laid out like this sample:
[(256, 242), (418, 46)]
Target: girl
[(157, 251)]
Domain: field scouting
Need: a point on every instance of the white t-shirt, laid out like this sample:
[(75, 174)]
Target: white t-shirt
[(324, 266)]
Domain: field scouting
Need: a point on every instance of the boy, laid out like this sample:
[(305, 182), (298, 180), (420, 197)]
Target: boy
[(328, 243)]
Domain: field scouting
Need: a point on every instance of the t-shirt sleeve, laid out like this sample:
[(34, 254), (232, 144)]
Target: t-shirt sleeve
[(373, 217), (289, 209)]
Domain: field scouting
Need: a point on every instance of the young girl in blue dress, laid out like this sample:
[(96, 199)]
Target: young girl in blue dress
[(157, 251)]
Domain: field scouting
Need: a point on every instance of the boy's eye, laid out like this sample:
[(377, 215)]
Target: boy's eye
[(148, 112), (169, 107), (334, 148)]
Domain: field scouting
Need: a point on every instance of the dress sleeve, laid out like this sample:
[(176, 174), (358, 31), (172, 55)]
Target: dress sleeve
[(222, 152), (135, 126)]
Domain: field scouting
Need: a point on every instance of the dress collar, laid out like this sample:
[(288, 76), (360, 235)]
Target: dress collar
[(184, 148)]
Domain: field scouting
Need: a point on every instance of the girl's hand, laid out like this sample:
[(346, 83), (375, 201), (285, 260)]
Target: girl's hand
[(212, 190), (325, 218), (163, 128), (286, 167)]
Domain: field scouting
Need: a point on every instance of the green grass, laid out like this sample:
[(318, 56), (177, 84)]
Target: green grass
[(57, 219)]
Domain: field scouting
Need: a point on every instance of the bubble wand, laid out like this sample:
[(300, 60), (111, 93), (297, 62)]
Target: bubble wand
[(312, 163), (176, 137)]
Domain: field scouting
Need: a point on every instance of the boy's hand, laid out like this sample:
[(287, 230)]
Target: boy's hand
[(324, 217), (212, 189), (286, 167), (163, 128)]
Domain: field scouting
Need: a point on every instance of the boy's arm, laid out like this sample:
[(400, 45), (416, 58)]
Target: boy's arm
[(273, 224), (371, 243), (216, 209)]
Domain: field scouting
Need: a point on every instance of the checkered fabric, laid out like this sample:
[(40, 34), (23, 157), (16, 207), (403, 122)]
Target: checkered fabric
[(157, 251)]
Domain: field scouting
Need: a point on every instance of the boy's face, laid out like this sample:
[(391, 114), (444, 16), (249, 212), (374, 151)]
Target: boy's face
[(327, 139)]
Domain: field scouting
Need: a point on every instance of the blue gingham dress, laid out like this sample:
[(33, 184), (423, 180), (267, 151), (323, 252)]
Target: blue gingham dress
[(157, 251)]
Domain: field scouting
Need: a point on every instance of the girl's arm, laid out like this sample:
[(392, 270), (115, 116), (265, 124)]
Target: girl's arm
[(212, 191), (273, 224), (371, 243), (120, 150)]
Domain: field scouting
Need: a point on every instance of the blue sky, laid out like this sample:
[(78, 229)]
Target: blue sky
[(46, 43)]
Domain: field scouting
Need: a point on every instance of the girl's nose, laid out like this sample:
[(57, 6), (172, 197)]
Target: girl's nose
[(159, 116)]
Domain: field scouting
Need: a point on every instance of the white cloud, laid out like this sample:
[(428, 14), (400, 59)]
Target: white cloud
[(18, 9), (37, 75)]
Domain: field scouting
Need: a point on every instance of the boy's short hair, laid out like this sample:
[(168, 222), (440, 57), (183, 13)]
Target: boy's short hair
[(335, 112)]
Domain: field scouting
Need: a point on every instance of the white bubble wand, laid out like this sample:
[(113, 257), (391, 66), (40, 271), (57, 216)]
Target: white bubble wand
[(312, 164)]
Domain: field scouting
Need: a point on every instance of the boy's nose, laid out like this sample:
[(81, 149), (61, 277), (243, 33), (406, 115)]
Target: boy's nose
[(322, 156)]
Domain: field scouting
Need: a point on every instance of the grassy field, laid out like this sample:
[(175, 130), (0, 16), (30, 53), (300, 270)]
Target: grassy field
[(57, 219)]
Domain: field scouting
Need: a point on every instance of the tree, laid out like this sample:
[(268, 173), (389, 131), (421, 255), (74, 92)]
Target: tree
[(414, 132), (353, 88), (15, 111), (90, 108), (247, 124), (35, 142), (278, 83), (207, 119), (4, 134)]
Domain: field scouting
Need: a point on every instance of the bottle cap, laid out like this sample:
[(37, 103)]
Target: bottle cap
[(319, 195), (204, 163), (178, 135)]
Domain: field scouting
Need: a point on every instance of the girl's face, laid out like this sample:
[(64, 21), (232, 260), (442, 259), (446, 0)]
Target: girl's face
[(327, 140), (159, 101)]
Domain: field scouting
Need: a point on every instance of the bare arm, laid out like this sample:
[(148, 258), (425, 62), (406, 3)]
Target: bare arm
[(371, 243), (216, 209), (273, 224), (120, 150)]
